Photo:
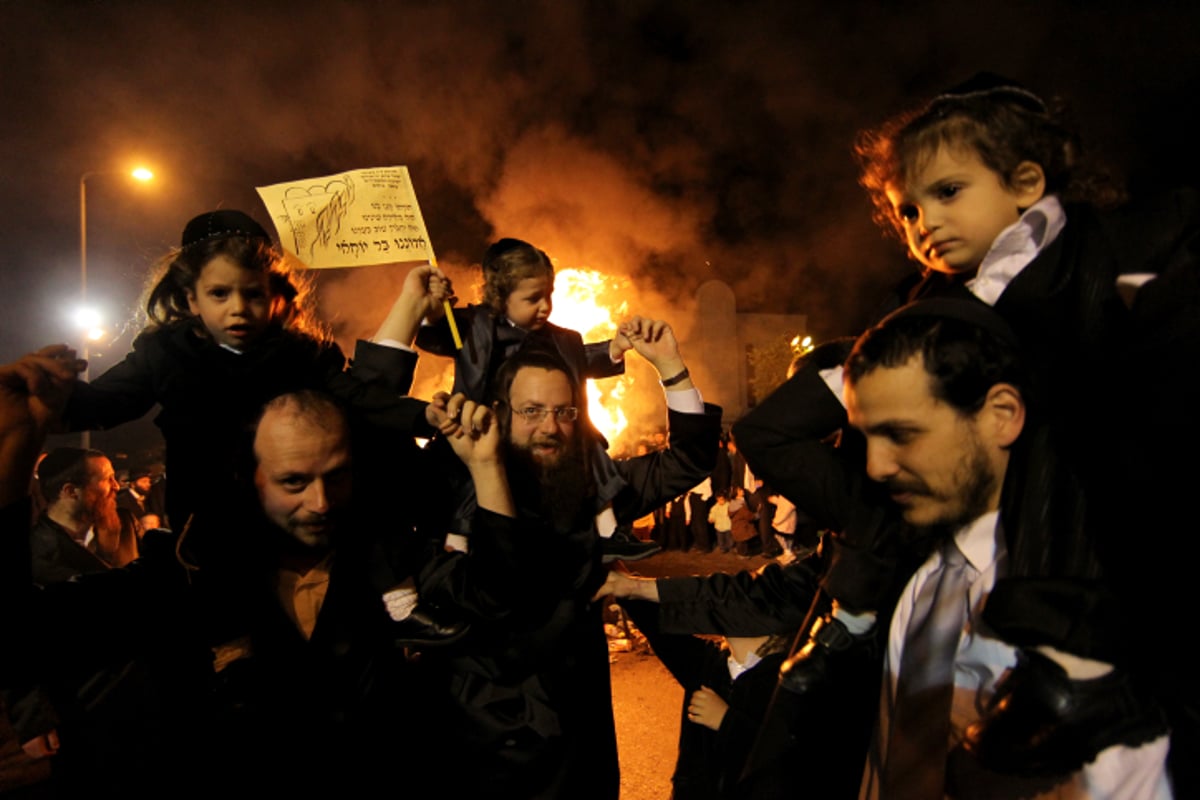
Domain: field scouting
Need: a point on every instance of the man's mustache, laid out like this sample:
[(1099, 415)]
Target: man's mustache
[(898, 486)]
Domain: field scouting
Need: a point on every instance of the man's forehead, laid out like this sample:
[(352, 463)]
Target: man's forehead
[(890, 393), (537, 383), (285, 436), (100, 465)]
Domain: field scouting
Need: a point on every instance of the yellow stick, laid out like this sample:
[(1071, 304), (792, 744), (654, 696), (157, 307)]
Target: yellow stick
[(453, 324), (449, 312)]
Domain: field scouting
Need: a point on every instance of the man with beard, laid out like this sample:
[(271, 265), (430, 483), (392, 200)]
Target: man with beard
[(80, 529), (80, 532), (531, 703), (939, 393), (314, 696), (313, 688)]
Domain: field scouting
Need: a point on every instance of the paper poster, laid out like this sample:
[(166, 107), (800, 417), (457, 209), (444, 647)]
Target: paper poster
[(355, 219)]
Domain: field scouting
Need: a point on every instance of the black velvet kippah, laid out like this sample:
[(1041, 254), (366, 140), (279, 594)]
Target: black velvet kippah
[(972, 312), (989, 84), (219, 225)]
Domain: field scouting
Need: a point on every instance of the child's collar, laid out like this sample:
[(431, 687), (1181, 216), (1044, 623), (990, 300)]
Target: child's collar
[(1016, 247)]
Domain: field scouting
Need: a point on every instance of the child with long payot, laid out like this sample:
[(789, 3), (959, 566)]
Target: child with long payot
[(518, 284), (230, 327), (982, 184)]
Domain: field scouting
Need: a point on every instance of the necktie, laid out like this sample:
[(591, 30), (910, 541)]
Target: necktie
[(920, 731)]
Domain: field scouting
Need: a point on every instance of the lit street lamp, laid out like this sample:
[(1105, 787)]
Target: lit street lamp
[(89, 319)]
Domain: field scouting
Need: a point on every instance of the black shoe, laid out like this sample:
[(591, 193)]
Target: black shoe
[(624, 546), (423, 628), (810, 666), (1040, 722)]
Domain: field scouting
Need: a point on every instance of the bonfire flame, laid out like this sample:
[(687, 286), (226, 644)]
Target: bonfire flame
[(592, 303)]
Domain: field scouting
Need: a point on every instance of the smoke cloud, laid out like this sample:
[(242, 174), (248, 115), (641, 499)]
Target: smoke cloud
[(671, 142)]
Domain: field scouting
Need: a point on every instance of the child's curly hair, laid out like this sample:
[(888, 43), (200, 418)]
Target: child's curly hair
[(1002, 122), (243, 241), (505, 264)]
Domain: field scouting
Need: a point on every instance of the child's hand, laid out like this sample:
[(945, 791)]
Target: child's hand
[(441, 291), (474, 434), (430, 286), (654, 340), (470, 427), (421, 296), (435, 412), (619, 345), (707, 708)]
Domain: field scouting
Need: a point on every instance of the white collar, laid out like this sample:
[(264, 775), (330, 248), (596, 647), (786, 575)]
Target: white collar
[(979, 541), (736, 668), (1016, 247)]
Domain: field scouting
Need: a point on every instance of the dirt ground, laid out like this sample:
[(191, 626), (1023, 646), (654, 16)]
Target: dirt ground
[(647, 702)]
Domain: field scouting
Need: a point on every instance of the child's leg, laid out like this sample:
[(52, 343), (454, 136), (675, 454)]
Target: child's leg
[(617, 542)]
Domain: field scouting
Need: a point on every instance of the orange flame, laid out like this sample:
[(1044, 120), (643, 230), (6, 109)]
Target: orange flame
[(591, 303)]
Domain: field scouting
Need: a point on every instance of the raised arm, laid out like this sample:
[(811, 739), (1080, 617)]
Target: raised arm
[(33, 393), (654, 340), (421, 296), (474, 434), (695, 428)]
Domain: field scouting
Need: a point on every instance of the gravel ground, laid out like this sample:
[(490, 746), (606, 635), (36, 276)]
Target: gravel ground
[(647, 701)]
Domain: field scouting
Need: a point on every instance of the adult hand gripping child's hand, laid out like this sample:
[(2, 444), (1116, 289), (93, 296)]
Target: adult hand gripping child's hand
[(33, 393), (473, 432), (421, 296), (654, 340)]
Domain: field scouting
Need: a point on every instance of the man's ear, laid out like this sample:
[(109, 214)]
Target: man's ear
[(1003, 414), (1028, 183)]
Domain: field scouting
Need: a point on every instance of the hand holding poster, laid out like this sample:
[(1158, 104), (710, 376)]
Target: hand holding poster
[(360, 218)]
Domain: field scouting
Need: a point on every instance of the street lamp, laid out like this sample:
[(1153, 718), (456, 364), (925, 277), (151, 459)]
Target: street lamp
[(139, 174)]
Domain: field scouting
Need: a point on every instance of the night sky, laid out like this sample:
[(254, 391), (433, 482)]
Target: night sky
[(674, 142)]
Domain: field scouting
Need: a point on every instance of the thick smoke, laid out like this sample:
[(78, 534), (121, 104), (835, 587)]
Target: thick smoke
[(673, 142)]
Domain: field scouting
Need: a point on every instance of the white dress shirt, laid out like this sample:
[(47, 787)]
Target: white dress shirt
[(981, 661)]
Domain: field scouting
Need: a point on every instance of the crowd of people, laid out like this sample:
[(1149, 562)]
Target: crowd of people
[(324, 605)]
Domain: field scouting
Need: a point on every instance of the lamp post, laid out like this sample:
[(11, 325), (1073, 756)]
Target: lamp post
[(139, 174)]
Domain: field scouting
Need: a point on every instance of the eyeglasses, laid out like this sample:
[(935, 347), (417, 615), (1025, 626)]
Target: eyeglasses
[(535, 415)]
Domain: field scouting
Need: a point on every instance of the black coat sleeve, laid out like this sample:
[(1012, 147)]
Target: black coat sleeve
[(773, 600), (655, 478)]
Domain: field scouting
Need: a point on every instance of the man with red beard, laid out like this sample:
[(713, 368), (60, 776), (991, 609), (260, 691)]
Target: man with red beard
[(79, 533), (80, 530), (530, 703)]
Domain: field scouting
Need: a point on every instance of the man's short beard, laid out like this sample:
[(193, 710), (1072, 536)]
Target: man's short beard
[(562, 488), (975, 489), (974, 486)]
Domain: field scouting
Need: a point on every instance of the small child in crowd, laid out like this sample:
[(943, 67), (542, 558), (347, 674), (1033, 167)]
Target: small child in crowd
[(718, 515), (727, 689), (518, 282)]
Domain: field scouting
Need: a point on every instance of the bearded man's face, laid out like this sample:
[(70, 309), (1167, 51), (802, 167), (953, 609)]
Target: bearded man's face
[(548, 450), (99, 494)]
